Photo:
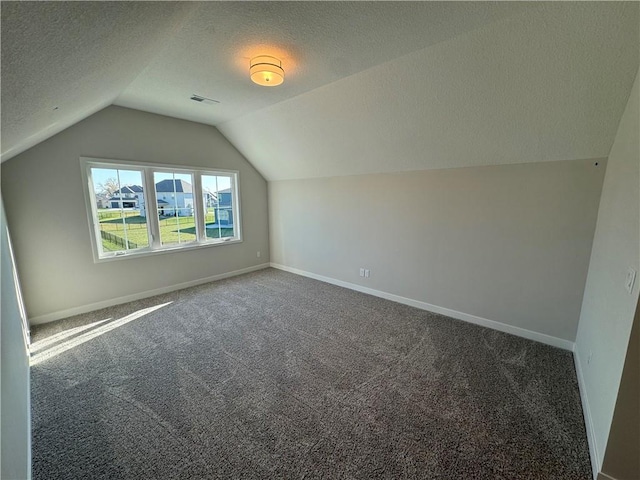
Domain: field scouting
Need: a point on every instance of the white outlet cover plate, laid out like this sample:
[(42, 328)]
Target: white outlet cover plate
[(631, 279)]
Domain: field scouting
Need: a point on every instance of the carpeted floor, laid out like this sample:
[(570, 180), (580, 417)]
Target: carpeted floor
[(273, 375)]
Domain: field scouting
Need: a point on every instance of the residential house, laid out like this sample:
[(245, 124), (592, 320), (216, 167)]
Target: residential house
[(126, 197), (102, 201), (210, 199), (224, 208), (174, 198), (179, 197)]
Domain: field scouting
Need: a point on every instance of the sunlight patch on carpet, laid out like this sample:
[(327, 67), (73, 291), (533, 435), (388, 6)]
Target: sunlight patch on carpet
[(57, 348)]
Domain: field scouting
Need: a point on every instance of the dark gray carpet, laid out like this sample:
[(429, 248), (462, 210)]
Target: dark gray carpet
[(273, 375)]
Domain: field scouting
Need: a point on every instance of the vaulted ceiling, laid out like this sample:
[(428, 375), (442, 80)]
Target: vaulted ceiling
[(370, 86)]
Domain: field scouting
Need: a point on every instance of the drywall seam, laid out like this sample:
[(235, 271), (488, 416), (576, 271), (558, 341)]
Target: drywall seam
[(588, 419), (465, 317), (50, 317)]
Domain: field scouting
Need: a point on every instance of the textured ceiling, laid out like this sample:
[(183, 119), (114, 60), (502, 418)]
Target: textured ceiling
[(550, 84), (370, 86), (76, 56), (318, 42)]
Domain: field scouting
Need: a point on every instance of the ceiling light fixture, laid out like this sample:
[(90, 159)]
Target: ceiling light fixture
[(266, 71)]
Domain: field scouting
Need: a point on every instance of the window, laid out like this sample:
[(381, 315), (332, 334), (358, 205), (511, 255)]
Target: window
[(176, 212), (184, 208), (218, 205)]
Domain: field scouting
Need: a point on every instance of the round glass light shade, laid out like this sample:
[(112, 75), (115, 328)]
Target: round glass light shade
[(266, 71)]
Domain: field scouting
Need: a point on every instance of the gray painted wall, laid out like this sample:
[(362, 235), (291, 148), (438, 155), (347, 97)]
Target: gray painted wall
[(47, 217), (608, 309), (506, 243), (15, 435)]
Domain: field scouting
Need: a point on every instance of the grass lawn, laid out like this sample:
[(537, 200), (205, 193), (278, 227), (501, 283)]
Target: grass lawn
[(110, 247), (173, 230)]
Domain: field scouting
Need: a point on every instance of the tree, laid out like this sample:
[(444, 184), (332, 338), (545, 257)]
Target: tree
[(109, 187)]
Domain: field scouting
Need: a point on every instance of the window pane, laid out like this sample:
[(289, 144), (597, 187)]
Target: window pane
[(218, 204), (174, 194), (120, 207)]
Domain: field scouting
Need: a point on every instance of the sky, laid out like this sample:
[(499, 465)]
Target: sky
[(210, 183)]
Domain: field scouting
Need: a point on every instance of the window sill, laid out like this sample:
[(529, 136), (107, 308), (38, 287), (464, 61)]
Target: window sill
[(165, 250)]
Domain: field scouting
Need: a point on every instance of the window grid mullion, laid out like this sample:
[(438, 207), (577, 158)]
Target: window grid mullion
[(199, 210), (121, 202), (152, 208), (95, 220), (235, 206)]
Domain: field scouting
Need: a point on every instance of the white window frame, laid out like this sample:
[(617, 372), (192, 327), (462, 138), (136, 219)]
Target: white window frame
[(153, 225)]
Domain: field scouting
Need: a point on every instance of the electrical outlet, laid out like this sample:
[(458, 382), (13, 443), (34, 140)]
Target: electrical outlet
[(362, 272), (258, 254), (367, 273), (589, 358), (631, 279)]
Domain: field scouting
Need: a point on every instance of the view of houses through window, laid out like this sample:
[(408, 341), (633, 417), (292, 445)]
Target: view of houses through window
[(174, 196), (119, 194), (122, 209), (217, 197)]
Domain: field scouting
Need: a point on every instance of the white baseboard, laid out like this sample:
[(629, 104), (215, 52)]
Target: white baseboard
[(588, 419), (502, 327), (50, 317)]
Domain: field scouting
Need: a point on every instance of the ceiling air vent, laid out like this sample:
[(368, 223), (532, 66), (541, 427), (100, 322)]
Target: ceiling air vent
[(205, 100)]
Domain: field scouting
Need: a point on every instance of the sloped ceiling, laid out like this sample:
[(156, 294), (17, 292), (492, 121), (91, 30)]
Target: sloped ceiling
[(63, 61), (549, 84), (370, 86)]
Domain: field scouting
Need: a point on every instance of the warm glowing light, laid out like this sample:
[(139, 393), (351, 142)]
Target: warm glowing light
[(266, 71)]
